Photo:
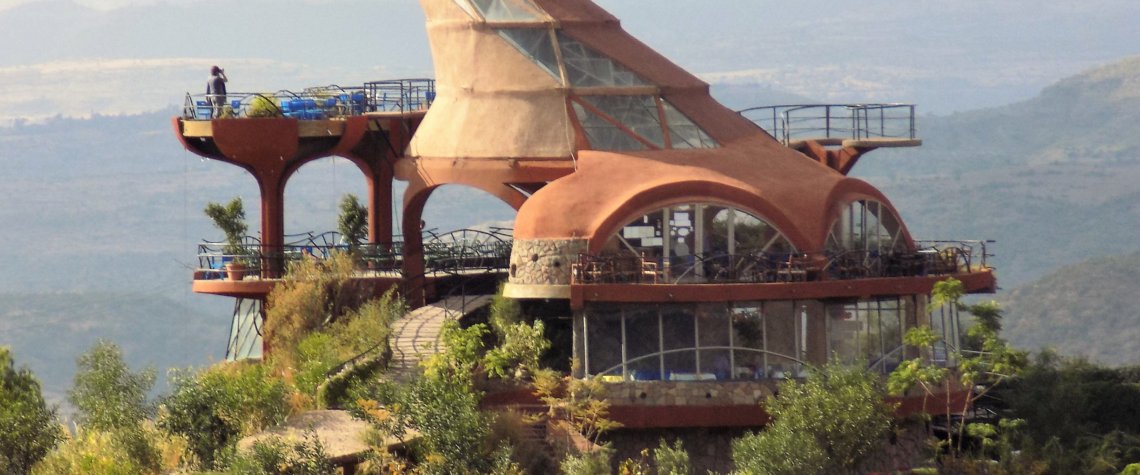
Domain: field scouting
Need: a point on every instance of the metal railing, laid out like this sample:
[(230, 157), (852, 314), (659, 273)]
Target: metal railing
[(789, 123), (315, 103), (929, 258), (452, 252)]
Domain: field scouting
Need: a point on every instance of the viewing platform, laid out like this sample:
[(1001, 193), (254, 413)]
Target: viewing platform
[(459, 253), (854, 128)]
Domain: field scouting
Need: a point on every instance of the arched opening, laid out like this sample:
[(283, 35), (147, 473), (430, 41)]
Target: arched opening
[(866, 226), (312, 202), (700, 242)]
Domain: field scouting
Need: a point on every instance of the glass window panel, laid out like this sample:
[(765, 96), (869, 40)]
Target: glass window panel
[(642, 339), (245, 334), (866, 226), (890, 316), (636, 113), (679, 332), (748, 334), (713, 332), (782, 339), (752, 255), (535, 44), (683, 132), (845, 328), (603, 135), (588, 68), (603, 333), (509, 10)]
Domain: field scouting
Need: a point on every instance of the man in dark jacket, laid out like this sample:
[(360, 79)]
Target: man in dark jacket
[(216, 91)]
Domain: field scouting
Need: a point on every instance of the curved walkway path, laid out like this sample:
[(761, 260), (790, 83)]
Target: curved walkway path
[(415, 337)]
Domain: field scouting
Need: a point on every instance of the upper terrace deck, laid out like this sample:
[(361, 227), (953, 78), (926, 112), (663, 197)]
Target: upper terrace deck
[(317, 103)]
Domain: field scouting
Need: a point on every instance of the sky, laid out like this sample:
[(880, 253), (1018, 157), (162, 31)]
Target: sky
[(84, 57)]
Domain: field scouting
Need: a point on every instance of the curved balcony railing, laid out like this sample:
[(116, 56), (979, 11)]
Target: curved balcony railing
[(769, 365), (452, 252), (789, 123), (930, 258), (316, 103)]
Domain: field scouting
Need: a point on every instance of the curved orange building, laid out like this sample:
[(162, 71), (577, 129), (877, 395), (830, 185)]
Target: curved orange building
[(697, 257)]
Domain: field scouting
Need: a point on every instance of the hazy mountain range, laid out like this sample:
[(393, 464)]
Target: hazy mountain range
[(65, 58)]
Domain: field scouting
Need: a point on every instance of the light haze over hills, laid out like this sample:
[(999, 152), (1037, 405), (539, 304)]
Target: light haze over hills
[(63, 57)]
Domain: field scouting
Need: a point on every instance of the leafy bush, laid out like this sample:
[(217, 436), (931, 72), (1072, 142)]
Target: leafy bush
[(588, 463), (314, 295), (672, 460), (106, 393), (28, 427), (112, 402), (214, 408), (826, 424), (230, 219), (353, 220), (446, 412), (262, 106), (277, 457), (98, 452), (92, 452), (521, 348)]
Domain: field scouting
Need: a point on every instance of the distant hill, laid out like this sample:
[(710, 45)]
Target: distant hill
[(48, 331), (1085, 309), (1052, 179)]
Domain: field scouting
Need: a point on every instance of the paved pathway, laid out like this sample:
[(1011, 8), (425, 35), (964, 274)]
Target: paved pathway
[(416, 336)]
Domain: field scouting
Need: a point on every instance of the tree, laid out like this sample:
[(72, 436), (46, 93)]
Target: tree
[(214, 408), (112, 399), (353, 220), (825, 424), (988, 362), (230, 219), (105, 391), (28, 426)]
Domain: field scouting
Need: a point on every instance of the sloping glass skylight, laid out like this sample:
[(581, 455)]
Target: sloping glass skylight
[(604, 135), (683, 132), (508, 10), (535, 44), (636, 113), (588, 68)]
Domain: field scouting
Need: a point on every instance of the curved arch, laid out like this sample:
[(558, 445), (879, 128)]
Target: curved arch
[(694, 191), (851, 190)]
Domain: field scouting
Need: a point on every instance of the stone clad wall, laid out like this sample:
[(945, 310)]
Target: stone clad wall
[(544, 261), (688, 393)]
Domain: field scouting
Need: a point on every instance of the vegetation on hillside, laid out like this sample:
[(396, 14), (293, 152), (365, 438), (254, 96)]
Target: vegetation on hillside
[(1085, 309)]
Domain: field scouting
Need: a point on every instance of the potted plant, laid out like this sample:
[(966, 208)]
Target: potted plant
[(230, 218), (353, 220)]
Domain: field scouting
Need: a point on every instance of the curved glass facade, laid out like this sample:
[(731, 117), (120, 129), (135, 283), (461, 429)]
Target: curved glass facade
[(702, 242)]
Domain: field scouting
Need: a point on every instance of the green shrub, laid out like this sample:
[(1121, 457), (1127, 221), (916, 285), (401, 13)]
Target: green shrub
[(28, 427), (353, 220), (92, 452), (826, 424), (262, 106), (589, 463), (97, 452), (106, 393), (672, 460), (446, 413), (275, 456), (521, 348), (215, 407)]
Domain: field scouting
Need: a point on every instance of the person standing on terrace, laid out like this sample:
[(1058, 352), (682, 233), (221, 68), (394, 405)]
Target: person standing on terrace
[(216, 91)]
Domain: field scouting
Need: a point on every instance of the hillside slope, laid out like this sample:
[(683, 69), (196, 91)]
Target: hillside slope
[(1052, 179), (1085, 309)]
